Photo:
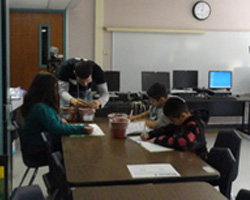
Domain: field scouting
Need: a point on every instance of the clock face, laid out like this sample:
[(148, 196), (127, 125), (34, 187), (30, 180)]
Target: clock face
[(201, 10)]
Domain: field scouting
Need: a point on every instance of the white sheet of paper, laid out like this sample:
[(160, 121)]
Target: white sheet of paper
[(152, 170), (151, 147), (97, 130), (137, 127)]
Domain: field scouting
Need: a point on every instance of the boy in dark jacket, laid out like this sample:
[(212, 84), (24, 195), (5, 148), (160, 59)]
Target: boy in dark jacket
[(186, 131)]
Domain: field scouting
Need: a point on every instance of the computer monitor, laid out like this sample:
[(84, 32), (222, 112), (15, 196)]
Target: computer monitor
[(148, 78), (113, 80), (220, 79), (185, 79)]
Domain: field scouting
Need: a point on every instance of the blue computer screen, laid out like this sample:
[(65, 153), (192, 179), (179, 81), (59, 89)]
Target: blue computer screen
[(220, 79)]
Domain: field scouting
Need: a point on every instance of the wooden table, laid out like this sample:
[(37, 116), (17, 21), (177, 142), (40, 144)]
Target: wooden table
[(103, 160), (170, 191)]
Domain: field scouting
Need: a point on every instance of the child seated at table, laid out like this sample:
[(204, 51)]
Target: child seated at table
[(185, 132), (154, 117), (40, 112)]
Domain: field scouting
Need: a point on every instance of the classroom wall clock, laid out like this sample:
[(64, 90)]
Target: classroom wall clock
[(201, 10)]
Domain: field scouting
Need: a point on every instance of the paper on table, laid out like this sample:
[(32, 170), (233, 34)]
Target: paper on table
[(137, 127), (151, 147), (152, 170), (97, 131)]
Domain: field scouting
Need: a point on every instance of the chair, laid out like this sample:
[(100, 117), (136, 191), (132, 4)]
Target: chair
[(57, 178), (35, 161), (48, 177), (230, 139), (223, 160), (243, 194), (28, 193)]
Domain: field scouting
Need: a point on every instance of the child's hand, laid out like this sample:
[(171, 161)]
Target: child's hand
[(152, 140), (144, 136), (64, 121), (89, 129), (131, 117), (134, 118), (151, 124)]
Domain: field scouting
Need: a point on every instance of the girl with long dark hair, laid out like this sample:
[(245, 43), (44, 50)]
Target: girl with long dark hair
[(41, 114)]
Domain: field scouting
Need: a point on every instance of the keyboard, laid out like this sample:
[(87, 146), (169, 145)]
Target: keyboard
[(226, 98), (176, 91), (217, 98)]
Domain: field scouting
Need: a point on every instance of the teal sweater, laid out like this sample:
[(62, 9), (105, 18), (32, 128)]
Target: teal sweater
[(42, 118)]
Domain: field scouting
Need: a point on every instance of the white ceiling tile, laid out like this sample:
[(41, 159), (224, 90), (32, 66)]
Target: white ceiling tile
[(31, 4), (44, 4), (58, 4)]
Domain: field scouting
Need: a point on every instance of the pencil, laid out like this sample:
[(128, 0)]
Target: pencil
[(131, 112)]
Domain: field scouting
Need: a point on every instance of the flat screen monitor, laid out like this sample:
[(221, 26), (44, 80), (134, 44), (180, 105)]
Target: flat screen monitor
[(220, 80), (185, 79), (149, 78), (113, 80)]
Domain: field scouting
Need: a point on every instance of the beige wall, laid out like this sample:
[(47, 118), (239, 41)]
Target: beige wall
[(80, 30), (229, 15), (226, 14)]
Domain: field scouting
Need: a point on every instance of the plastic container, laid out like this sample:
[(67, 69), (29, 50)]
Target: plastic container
[(87, 114), (118, 127), (114, 115), (72, 114), (68, 113)]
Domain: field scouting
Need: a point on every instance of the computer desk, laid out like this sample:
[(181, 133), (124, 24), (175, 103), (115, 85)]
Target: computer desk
[(103, 160), (170, 191), (223, 107)]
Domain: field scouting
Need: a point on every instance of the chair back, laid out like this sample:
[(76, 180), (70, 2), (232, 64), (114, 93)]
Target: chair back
[(230, 139), (37, 158), (30, 192), (58, 177), (223, 160), (32, 158), (243, 194)]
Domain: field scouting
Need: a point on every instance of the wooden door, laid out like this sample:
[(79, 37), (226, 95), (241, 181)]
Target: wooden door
[(24, 43)]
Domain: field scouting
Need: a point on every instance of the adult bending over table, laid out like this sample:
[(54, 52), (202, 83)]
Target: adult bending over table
[(76, 77)]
